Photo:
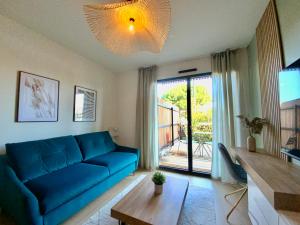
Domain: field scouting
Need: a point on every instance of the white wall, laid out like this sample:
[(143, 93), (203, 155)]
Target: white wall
[(127, 92), (126, 112), (203, 65), (23, 49), (289, 21)]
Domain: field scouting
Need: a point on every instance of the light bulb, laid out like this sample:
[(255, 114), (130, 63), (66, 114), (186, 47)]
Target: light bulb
[(131, 25)]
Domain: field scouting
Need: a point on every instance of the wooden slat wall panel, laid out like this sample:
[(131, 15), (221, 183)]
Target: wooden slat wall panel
[(270, 64)]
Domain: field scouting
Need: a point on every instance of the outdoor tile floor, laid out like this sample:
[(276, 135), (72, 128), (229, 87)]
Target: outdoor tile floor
[(176, 156)]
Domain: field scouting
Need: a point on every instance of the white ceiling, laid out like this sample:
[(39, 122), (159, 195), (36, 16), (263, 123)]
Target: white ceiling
[(198, 28)]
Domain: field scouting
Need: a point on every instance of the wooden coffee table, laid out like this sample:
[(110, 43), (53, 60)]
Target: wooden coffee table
[(142, 207)]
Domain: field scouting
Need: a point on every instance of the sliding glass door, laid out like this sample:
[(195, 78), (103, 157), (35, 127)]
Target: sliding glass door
[(201, 120), (172, 123), (185, 124)]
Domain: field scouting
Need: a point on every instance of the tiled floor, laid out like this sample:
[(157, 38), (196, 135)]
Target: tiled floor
[(181, 162), (239, 216), (176, 156)]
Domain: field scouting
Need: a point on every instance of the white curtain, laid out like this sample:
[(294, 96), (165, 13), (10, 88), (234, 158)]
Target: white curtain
[(147, 136), (229, 74)]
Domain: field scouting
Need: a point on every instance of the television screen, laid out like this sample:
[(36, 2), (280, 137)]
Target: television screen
[(289, 85)]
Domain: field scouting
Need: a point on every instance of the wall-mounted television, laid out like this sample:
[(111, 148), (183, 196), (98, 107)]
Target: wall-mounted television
[(289, 87)]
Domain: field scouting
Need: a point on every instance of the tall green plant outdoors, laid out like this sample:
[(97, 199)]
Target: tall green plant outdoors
[(200, 97), (177, 96)]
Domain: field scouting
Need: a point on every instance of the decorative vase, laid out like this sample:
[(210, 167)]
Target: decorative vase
[(251, 144), (158, 189)]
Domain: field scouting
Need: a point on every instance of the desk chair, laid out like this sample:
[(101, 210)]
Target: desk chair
[(237, 172)]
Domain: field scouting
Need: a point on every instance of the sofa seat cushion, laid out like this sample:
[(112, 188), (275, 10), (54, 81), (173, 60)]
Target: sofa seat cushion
[(56, 188), (114, 161)]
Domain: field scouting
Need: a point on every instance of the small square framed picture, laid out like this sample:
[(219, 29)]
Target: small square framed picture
[(85, 101), (38, 98)]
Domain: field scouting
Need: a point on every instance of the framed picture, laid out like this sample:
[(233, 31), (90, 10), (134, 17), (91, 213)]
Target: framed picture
[(38, 98), (84, 105)]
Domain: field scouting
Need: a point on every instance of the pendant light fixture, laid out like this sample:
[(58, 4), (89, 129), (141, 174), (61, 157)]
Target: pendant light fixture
[(129, 26)]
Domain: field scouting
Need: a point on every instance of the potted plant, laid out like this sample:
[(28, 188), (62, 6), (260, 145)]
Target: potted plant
[(158, 179), (254, 126)]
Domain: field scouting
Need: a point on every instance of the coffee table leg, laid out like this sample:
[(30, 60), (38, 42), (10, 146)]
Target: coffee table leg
[(121, 223)]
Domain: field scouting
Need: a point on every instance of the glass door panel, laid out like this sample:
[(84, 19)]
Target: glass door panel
[(201, 121), (172, 124)]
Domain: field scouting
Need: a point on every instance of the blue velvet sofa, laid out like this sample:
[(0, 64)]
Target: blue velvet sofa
[(45, 182)]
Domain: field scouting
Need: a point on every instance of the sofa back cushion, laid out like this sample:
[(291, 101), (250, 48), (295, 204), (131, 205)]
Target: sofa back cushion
[(36, 158), (95, 144)]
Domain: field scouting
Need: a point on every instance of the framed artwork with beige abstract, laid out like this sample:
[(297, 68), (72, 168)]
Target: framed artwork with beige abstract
[(84, 105), (38, 98)]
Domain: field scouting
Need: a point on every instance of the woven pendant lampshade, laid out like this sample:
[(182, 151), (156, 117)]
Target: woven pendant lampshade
[(126, 27)]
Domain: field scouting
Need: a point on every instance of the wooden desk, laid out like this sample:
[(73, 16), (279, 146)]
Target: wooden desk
[(273, 185)]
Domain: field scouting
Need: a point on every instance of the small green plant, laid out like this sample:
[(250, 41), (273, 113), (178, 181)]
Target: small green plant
[(158, 178)]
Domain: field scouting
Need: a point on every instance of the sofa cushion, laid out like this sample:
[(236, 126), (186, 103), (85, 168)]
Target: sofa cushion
[(114, 161), (95, 144), (36, 158), (65, 211), (58, 187)]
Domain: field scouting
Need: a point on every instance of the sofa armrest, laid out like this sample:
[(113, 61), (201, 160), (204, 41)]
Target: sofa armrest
[(19, 201), (130, 150)]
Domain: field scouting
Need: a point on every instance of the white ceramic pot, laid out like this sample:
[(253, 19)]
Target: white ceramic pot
[(158, 189), (251, 144)]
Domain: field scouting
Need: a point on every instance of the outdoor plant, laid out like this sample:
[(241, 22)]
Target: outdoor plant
[(158, 178), (254, 126)]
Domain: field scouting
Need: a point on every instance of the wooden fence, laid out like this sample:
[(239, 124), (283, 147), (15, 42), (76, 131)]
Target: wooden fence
[(168, 124)]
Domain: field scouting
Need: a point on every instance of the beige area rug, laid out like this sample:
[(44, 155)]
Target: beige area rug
[(198, 209)]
